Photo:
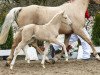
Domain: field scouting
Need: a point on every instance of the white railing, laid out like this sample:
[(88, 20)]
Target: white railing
[(7, 52)]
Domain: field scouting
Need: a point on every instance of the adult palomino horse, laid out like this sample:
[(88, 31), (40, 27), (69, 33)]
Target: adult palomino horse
[(47, 32), (35, 14)]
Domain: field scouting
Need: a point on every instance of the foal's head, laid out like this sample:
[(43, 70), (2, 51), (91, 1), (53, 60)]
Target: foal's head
[(61, 18), (65, 19)]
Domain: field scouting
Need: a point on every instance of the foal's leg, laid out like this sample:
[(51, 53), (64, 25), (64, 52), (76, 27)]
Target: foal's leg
[(83, 35), (20, 46), (39, 50), (45, 54), (26, 54), (66, 41), (63, 46), (16, 40)]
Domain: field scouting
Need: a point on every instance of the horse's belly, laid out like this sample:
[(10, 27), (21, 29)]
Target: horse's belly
[(65, 29)]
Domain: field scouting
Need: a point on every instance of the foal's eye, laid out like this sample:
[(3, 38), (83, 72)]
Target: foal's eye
[(65, 17)]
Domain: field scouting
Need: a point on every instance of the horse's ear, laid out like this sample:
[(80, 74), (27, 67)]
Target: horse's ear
[(62, 12)]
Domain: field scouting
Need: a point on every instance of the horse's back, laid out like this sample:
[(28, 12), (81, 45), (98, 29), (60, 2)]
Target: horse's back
[(36, 14)]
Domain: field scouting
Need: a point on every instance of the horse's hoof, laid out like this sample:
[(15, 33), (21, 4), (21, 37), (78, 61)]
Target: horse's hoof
[(53, 62), (8, 61), (47, 61)]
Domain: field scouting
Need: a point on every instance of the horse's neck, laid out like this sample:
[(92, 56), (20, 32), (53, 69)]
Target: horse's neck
[(79, 4), (83, 4)]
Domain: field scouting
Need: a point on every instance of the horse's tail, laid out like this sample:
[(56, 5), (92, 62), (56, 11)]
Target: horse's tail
[(19, 32), (10, 18)]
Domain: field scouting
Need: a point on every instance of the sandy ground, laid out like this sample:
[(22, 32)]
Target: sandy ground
[(73, 67)]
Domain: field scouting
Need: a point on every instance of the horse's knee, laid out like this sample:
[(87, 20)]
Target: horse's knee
[(14, 45), (17, 50)]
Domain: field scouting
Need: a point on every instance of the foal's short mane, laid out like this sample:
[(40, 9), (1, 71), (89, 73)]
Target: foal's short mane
[(56, 18)]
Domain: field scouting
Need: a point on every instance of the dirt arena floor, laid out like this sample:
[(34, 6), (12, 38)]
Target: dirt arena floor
[(73, 67)]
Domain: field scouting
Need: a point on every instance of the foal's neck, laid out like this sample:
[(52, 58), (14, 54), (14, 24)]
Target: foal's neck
[(55, 22)]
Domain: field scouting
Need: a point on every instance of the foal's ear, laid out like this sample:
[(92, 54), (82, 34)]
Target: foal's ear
[(63, 12)]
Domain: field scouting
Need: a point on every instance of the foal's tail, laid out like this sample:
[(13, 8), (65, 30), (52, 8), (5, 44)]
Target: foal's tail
[(10, 18)]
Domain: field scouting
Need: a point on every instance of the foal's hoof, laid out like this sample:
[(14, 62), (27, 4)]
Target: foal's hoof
[(7, 63), (97, 57), (11, 67), (66, 60), (53, 62), (43, 66), (28, 61)]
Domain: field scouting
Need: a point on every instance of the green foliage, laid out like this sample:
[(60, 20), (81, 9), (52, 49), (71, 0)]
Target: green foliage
[(9, 41), (96, 30)]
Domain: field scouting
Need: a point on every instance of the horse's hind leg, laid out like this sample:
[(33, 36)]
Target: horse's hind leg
[(16, 40), (83, 36), (34, 44)]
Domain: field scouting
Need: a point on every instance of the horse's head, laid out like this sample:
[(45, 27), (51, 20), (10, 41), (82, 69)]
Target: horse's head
[(65, 19)]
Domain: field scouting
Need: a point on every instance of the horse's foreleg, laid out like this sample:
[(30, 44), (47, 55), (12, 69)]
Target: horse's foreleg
[(66, 41), (83, 36)]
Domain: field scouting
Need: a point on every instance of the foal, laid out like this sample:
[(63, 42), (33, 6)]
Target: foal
[(47, 32)]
